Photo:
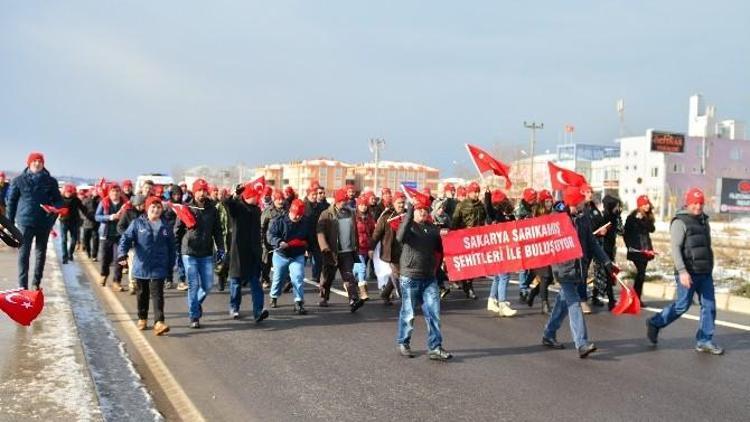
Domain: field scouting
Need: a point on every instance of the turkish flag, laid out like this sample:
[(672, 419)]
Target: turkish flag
[(22, 306), (485, 162), (562, 178), (50, 209), (258, 184), (416, 196), (184, 214)]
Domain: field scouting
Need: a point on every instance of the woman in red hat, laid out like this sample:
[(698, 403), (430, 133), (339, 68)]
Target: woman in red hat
[(365, 228), (544, 207), (637, 234)]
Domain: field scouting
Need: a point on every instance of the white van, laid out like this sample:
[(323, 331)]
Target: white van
[(157, 178)]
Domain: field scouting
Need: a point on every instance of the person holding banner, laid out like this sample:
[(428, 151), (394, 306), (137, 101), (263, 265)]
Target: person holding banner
[(469, 213), (390, 248), (546, 202), (421, 244), (525, 209), (499, 210), (570, 274)]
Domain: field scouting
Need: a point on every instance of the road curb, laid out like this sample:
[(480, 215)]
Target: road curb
[(174, 393), (724, 301)]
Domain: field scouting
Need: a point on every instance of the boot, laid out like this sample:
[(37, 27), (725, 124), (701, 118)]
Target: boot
[(532, 295), (504, 309), (273, 303), (288, 287), (299, 308), (141, 324), (492, 305), (363, 292), (545, 307), (355, 304), (103, 281), (182, 286), (385, 294), (117, 287), (222, 283), (444, 292), (160, 328)]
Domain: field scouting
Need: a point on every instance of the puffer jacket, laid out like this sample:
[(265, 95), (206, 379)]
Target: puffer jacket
[(27, 192), (365, 229), (573, 271), (469, 213), (154, 252), (199, 241)]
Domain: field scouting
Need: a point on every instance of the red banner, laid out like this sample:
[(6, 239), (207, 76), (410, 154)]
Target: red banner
[(509, 247)]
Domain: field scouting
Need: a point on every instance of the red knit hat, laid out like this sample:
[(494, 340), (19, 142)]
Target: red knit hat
[(399, 195), (200, 184), (585, 187), (267, 191), (151, 200), (33, 157), (277, 194), (297, 208), (473, 187), (363, 200), (642, 200), (694, 196), (213, 188), (340, 195), (572, 196), (427, 191), (289, 191), (422, 202), (529, 195), (544, 195), (385, 191), (69, 188), (498, 196), (127, 182), (449, 187), (461, 191)]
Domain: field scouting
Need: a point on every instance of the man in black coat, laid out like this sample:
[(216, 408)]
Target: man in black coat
[(90, 225), (245, 250), (70, 221)]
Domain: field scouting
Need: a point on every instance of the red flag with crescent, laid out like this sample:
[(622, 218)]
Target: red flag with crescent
[(562, 177), (184, 214), (22, 306), (485, 162)]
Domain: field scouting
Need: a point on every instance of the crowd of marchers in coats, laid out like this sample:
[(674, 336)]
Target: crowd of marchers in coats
[(186, 237)]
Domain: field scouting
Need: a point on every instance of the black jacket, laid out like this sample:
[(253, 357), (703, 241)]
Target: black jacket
[(88, 212), (245, 247), (130, 215), (573, 271), (611, 214), (199, 241), (420, 245), (75, 207), (637, 234)]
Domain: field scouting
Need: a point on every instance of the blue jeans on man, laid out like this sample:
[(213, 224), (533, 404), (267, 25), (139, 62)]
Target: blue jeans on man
[(414, 291), (200, 279), (41, 235), (568, 303), (703, 284), (285, 268), (499, 287), (524, 280), (256, 292)]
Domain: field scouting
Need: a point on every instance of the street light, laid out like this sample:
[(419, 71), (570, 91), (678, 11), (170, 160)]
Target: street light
[(533, 126), (376, 144)]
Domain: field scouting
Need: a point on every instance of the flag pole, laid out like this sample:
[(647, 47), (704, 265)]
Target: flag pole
[(481, 176)]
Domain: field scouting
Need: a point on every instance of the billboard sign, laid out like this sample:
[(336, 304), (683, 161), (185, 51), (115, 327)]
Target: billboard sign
[(734, 196), (667, 142)]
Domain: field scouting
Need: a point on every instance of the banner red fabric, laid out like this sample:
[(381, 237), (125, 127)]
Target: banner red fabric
[(510, 247)]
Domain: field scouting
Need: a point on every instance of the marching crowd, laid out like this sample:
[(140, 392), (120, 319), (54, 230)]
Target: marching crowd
[(252, 235)]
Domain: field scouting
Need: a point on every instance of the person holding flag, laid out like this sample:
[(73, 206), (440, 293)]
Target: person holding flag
[(29, 192), (70, 221), (421, 244), (570, 274), (108, 213), (390, 248), (637, 235)]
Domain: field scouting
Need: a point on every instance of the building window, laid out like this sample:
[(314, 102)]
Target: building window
[(635, 167), (323, 175), (736, 154), (678, 168), (627, 168)]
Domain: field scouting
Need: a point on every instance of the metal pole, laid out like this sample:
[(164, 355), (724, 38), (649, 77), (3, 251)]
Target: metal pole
[(533, 126), (375, 145)]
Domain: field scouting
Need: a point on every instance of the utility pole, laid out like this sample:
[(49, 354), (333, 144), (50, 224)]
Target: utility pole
[(534, 127), (376, 144)]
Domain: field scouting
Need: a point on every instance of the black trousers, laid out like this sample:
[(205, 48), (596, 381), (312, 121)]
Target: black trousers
[(91, 242), (344, 265), (153, 289), (267, 264), (640, 276), (109, 245), (545, 279)]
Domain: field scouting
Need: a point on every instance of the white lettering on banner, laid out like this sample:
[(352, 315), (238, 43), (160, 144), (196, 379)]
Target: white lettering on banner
[(477, 258), (535, 232), (547, 248), (487, 239)]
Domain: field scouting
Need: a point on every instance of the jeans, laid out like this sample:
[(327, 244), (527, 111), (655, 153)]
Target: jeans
[(24, 253), (360, 269), (285, 267), (108, 257), (180, 268), (72, 230), (414, 291), (568, 302), (524, 280), (703, 284), (153, 289), (316, 261), (256, 292), (499, 286), (583, 288), (200, 279)]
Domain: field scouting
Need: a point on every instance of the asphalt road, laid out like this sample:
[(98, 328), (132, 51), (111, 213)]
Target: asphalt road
[(333, 365)]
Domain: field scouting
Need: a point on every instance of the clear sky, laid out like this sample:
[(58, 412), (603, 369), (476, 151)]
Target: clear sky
[(118, 88)]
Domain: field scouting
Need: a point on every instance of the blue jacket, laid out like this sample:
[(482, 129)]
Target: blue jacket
[(154, 252), (283, 229), (27, 192), (573, 271), (107, 227)]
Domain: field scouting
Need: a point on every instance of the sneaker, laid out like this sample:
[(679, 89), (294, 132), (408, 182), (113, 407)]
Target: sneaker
[(169, 285), (595, 301), (504, 309), (95, 259), (652, 333), (160, 328), (323, 303), (274, 304), (355, 304), (586, 350), (132, 289), (492, 305), (234, 314), (195, 324), (266, 285), (263, 315), (141, 324), (405, 351), (709, 348), (117, 287), (585, 308), (103, 281), (552, 343), (299, 308), (182, 286), (471, 295), (439, 354), (444, 293)]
